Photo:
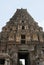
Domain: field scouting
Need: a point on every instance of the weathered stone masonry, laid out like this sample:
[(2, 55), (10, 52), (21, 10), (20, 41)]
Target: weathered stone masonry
[(22, 38)]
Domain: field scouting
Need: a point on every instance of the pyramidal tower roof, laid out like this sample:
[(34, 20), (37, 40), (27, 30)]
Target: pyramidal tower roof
[(19, 19), (22, 15)]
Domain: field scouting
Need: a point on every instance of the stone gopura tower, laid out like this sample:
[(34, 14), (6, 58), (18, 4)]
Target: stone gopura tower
[(22, 38)]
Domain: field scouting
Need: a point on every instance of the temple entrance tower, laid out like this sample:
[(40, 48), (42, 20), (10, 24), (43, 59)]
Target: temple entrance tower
[(22, 38)]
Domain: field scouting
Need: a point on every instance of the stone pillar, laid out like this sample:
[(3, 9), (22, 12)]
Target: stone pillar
[(7, 62), (32, 59), (29, 59), (15, 58)]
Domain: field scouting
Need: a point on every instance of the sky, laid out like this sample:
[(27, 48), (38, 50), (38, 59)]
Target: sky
[(23, 61), (34, 7)]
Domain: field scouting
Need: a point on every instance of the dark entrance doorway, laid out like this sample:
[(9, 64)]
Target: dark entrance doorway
[(23, 56), (2, 61)]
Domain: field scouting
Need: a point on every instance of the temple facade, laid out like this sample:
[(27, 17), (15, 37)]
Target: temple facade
[(22, 38)]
